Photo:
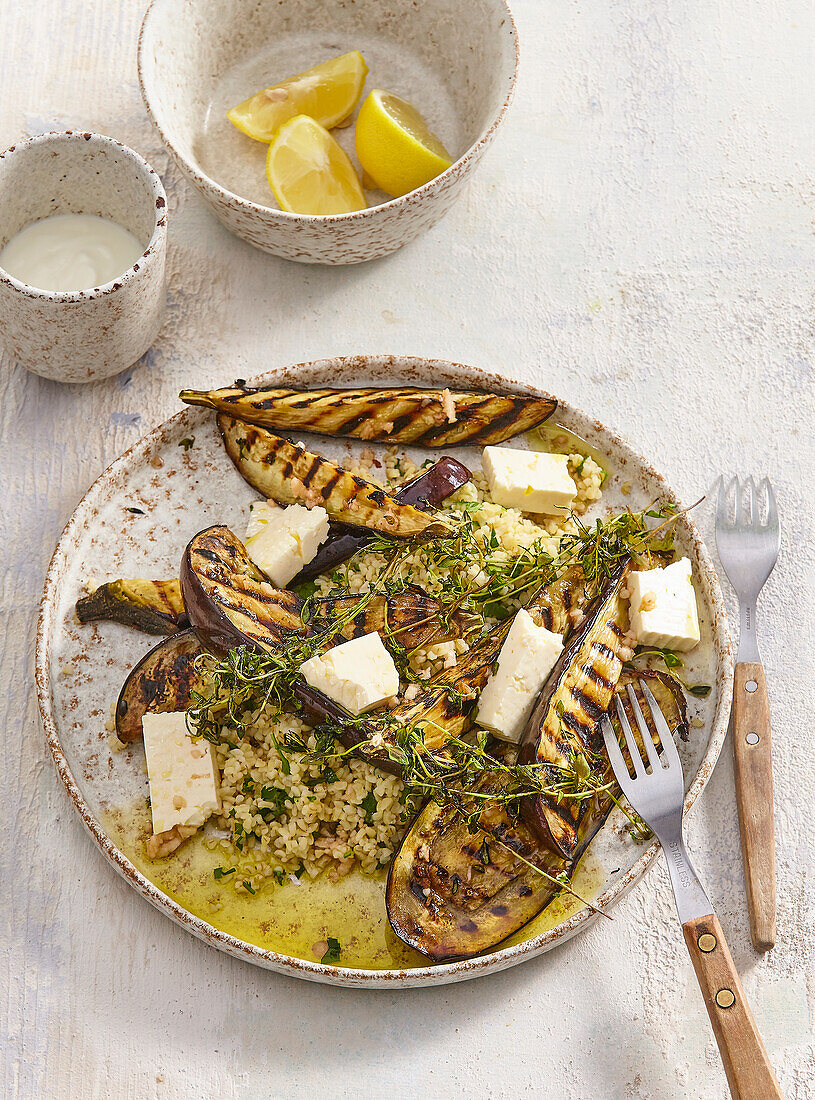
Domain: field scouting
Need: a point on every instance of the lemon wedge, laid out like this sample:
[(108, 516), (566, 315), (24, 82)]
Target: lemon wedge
[(309, 173), (395, 146), (328, 93)]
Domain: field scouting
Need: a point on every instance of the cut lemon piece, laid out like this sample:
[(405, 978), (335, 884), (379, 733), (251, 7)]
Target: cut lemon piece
[(328, 93), (394, 145), (309, 173)]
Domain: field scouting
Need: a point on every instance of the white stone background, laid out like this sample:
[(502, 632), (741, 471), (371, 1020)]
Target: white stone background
[(639, 241)]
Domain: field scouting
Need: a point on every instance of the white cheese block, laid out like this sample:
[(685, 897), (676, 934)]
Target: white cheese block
[(663, 609), (281, 541), (182, 773), (358, 675), (527, 657), (533, 481)]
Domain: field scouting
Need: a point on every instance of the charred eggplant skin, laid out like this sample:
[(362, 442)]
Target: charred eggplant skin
[(566, 718), (289, 474), (230, 603), (425, 491), (404, 619), (421, 417), (442, 713), (162, 681), (452, 894), (154, 607)]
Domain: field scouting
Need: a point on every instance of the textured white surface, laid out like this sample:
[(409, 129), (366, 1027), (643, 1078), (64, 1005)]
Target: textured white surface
[(640, 241)]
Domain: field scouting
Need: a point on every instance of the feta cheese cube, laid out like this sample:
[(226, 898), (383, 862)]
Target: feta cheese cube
[(527, 657), (663, 609), (182, 773), (281, 541), (533, 481), (359, 674)]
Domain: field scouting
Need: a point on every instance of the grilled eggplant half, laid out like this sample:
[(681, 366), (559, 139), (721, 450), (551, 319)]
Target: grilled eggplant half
[(229, 601), (154, 607), (444, 707), (425, 491), (404, 619), (565, 722), (453, 893), (423, 418), (162, 681), (289, 474)]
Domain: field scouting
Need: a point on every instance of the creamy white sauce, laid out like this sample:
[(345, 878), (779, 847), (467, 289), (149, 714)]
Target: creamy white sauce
[(70, 252)]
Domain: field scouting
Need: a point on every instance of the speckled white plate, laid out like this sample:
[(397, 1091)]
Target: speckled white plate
[(80, 669)]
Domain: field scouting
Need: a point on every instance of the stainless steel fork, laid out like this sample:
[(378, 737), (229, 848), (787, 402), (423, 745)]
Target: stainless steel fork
[(748, 550), (657, 793)]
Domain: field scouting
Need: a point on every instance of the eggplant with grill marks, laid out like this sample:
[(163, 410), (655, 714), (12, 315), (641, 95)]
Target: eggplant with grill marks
[(444, 707), (565, 722), (154, 607), (164, 680), (421, 417), (424, 491), (229, 601), (289, 474), (404, 619)]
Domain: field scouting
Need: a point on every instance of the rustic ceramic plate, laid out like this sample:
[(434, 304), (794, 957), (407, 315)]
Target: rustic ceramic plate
[(135, 521)]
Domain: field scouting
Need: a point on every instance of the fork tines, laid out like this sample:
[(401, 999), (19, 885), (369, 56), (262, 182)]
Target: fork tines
[(663, 743), (747, 503)]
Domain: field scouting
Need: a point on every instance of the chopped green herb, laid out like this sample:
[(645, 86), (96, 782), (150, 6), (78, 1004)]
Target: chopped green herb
[(247, 885), (222, 872), (137, 511), (332, 955), (667, 655), (701, 691), (187, 442), (368, 804), (306, 589), (248, 785)]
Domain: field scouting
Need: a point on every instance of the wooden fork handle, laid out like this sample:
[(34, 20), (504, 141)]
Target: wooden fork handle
[(752, 749), (749, 1073)]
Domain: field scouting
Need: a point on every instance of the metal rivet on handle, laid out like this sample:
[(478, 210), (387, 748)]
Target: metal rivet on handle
[(725, 998), (707, 942), (750, 686), (751, 739)]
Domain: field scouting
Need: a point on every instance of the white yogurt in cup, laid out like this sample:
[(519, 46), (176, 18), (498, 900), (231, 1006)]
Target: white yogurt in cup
[(83, 240), (70, 252)]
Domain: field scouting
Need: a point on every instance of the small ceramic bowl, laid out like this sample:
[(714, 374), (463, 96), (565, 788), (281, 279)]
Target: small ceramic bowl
[(455, 60), (82, 335)]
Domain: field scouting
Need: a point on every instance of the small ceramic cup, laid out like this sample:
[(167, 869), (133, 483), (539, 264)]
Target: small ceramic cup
[(82, 335)]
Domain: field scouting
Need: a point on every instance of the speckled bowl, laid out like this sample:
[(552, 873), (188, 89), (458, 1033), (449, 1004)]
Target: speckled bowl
[(136, 519), (456, 60), (83, 335)]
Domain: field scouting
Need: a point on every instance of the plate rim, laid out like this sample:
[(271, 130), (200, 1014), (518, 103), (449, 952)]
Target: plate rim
[(441, 973)]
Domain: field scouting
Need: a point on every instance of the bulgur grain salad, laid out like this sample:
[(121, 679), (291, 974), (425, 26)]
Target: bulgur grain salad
[(401, 664)]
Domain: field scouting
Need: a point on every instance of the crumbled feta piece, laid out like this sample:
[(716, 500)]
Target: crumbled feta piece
[(281, 541), (527, 657), (182, 773), (359, 674), (533, 481), (663, 609)]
